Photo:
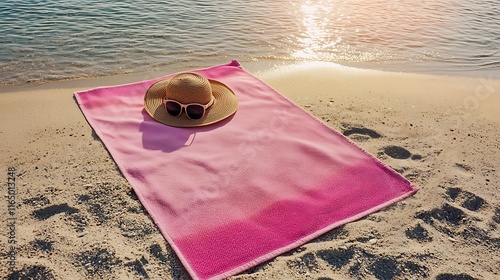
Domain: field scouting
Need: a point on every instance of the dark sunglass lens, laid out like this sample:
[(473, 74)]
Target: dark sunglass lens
[(195, 111), (173, 108)]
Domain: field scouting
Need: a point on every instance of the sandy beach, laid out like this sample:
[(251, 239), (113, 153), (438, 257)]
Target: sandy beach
[(70, 214)]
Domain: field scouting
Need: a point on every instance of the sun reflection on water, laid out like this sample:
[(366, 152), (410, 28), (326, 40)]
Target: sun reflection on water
[(317, 23), (365, 30)]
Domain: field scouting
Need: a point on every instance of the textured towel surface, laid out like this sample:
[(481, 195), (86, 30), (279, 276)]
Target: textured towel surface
[(234, 194)]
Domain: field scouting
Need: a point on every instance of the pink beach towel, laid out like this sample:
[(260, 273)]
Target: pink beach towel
[(235, 194)]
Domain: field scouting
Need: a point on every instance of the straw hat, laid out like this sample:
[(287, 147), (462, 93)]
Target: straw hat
[(190, 88)]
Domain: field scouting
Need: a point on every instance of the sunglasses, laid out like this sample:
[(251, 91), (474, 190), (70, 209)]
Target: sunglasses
[(194, 111)]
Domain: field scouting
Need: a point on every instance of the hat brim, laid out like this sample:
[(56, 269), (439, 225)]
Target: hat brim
[(224, 106)]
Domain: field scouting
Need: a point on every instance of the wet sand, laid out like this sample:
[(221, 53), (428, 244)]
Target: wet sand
[(76, 217)]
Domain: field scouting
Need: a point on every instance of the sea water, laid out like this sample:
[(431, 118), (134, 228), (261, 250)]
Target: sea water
[(44, 40)]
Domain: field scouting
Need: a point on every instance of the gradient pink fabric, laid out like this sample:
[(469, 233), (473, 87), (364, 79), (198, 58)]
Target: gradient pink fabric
[(240, 192)]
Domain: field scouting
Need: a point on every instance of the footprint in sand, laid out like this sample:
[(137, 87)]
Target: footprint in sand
[(363, 134), (138, 267), (397, 152), (361, 131), (47, 212), (156, 251), (449, 276), (42, 245), (33, 272), (337, 258), (463, 169), (466, 199), (97, 260), (418, 233), (380, 266), (446, 214), (454, 221)]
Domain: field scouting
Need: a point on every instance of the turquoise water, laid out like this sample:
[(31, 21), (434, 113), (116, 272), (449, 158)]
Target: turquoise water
[(44, 40)]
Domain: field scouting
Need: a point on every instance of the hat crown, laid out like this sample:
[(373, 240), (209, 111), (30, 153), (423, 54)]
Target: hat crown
[(189, 88)]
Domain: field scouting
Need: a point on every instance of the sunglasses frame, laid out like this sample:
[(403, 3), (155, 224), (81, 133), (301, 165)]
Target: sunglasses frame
[(184, 107)]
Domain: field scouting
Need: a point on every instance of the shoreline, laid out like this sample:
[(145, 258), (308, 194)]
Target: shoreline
[(77, 217), (258, 66)]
